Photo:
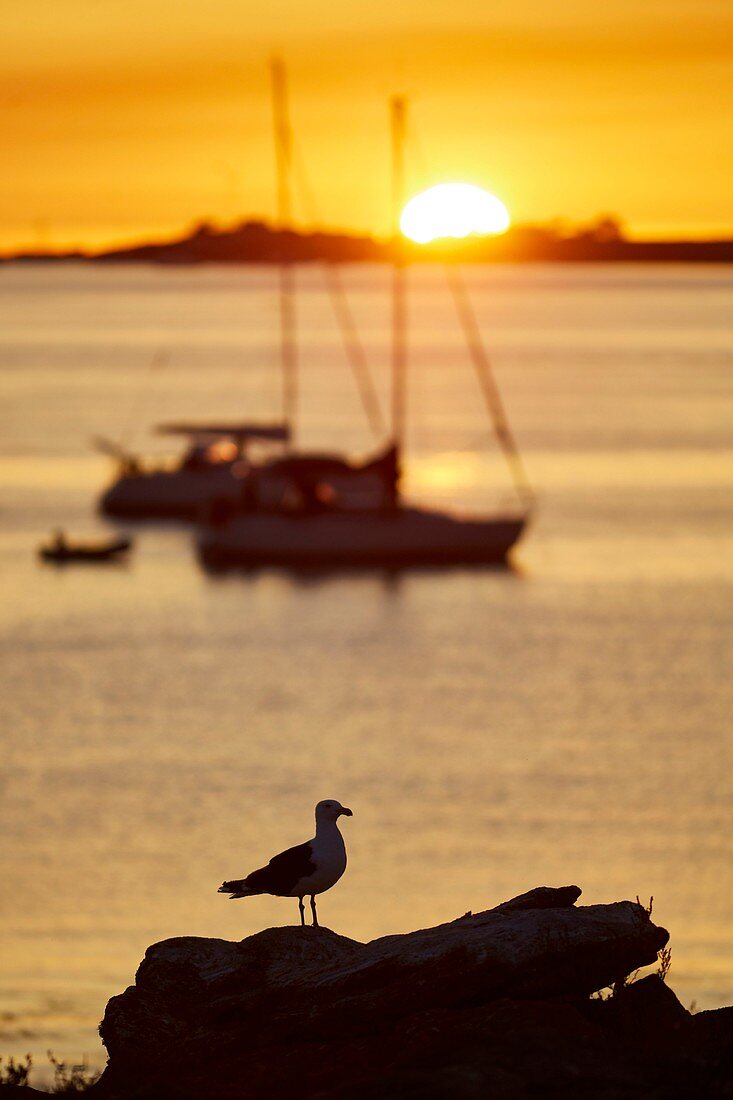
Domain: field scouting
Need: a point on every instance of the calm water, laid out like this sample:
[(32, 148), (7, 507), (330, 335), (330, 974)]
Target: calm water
[(569, 722)]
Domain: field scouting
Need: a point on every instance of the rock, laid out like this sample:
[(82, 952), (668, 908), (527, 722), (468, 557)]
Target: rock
[(504, 950), (446, 1011), (181, 983), (21, 1092), (713, 1032), (542, 897), (648, 1013)]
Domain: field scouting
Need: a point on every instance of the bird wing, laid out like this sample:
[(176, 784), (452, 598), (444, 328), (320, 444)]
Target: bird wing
[(280, 875)]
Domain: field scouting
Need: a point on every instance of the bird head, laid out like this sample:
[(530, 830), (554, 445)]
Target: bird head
[(330, 810)]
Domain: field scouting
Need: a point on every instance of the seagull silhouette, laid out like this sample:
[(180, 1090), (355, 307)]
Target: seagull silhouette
[(307, 869)]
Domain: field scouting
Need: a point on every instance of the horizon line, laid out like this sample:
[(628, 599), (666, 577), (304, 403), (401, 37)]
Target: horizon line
[(559, 228)]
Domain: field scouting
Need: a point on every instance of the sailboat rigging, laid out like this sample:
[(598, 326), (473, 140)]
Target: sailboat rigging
[(399, 299)]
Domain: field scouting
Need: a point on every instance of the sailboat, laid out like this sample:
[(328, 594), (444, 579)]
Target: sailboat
[(323, 520), (217, 472), (212, 465)]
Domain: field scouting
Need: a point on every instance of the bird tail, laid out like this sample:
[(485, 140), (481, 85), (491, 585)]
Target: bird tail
[(236, 888)]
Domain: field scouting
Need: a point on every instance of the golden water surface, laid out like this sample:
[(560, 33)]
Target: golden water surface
[(567, 722)]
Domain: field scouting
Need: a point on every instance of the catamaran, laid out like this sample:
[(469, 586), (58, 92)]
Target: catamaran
[(305, 511)]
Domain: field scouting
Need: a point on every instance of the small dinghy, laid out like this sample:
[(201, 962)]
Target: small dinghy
[(59, 549)]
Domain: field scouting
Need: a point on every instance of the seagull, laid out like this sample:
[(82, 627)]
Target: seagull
[(310, 868)]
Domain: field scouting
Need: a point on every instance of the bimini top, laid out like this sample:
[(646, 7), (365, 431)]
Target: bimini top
[(241, 432)]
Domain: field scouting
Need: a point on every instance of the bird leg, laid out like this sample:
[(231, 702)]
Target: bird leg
[(313, 911), (302, 912)]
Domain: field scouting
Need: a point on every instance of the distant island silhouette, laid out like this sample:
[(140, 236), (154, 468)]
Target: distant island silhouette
[(251, 241)]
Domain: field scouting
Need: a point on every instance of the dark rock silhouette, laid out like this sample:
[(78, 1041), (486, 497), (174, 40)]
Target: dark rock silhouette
[(492, 1004), (21, 1092)]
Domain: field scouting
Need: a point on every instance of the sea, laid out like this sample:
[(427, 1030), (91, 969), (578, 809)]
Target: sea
[(566, 720)]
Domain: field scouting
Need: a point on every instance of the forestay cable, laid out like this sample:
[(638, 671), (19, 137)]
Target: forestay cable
[(487, 383)]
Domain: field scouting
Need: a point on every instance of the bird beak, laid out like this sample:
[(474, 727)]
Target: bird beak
[(345, 810)]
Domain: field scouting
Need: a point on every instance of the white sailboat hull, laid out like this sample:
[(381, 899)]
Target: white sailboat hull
[(393, 539), (169, 494)]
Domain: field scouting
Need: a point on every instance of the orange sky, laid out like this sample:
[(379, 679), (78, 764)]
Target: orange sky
[(126, 118)]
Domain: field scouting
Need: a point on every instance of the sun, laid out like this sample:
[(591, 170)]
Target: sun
[(453, 210)]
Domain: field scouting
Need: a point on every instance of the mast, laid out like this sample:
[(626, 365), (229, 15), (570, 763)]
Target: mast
[(398, 109), (283, 164)]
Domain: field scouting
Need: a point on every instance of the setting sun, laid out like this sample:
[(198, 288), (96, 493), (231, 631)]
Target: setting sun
[(453, 210)]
